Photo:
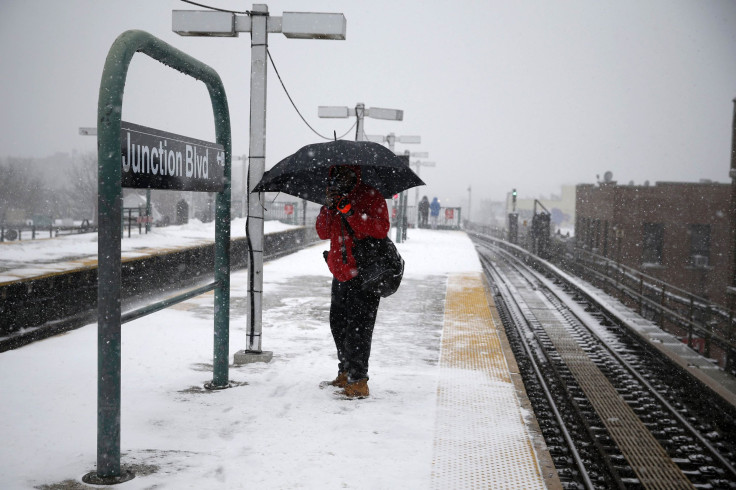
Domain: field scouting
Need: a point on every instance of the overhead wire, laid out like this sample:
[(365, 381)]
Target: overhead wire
[(268, 51), (247, 12)]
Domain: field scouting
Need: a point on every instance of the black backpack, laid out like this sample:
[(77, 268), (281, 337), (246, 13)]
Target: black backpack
[(380, 266)]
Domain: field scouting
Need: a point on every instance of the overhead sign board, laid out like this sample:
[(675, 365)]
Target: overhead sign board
[(155, 159)]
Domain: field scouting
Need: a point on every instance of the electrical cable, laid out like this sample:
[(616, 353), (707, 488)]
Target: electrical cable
[(295, 107), (251, 275), (247, 12)]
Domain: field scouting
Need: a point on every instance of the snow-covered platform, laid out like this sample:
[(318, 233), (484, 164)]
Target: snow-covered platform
[(446, 409)]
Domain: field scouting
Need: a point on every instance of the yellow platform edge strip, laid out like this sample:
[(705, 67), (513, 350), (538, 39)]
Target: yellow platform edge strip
[(482, 438)]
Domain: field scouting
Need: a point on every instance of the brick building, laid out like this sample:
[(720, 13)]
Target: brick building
[(676, 232)]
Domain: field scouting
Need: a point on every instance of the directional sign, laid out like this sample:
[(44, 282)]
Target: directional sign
[(155, 159)]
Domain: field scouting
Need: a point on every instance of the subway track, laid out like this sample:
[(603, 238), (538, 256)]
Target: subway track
[(613, 411)]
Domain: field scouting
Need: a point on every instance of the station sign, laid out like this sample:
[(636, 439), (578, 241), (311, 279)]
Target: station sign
[(155, 159)]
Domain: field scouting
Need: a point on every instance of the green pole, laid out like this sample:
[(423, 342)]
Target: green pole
[(109, 111)]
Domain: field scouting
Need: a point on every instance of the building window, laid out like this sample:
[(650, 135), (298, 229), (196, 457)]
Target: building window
[(699, 245), (652, 241)]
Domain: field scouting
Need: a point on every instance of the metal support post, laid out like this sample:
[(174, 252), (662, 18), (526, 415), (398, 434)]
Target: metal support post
[(400, 218), (360, 114), (690, 322), (404, 222), (662, 299), (416, 198), (708, 330), (729, 334), (256, 168)]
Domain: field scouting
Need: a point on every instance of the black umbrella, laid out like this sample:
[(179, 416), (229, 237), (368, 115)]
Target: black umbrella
[(305, 173)]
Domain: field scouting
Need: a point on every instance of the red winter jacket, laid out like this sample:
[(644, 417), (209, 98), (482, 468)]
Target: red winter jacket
[(369, 218)]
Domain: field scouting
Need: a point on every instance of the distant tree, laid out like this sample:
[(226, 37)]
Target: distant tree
[(82, 194), (21, 190)]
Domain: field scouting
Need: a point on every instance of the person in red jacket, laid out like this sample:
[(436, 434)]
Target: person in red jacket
[(354, 211)]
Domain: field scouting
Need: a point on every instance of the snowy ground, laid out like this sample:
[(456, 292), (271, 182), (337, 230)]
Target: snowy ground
[(275, 428)]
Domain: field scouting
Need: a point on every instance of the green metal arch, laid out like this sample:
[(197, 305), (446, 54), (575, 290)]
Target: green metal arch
[(109, 110)]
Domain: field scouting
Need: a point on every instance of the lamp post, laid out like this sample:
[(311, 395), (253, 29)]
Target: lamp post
[(299, 25)]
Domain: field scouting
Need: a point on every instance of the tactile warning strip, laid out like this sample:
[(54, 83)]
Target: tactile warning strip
[(481, 440)]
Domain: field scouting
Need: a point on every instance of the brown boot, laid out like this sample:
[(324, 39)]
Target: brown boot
[(357, 389), (340, 382)]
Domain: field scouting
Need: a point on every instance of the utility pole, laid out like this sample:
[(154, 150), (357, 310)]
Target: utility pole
[(299, 25)]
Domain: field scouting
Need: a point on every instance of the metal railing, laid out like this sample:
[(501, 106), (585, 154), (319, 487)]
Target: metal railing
[(10, 232), (450, 218), (705, 326), (703, 322)]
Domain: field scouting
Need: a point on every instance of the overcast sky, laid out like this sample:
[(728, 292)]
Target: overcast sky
[(524, 94)]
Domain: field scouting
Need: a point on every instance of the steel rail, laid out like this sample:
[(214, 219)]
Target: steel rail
[(501, 283), (633, 371)]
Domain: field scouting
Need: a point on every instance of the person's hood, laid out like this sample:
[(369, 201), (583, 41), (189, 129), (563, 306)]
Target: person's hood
[(354, 168)]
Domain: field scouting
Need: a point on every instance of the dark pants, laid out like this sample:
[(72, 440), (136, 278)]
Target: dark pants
[(352, 317)]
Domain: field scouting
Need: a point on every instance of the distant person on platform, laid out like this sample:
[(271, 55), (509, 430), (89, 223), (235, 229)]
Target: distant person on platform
[(353, 212), (434, 212), (423, 212)]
